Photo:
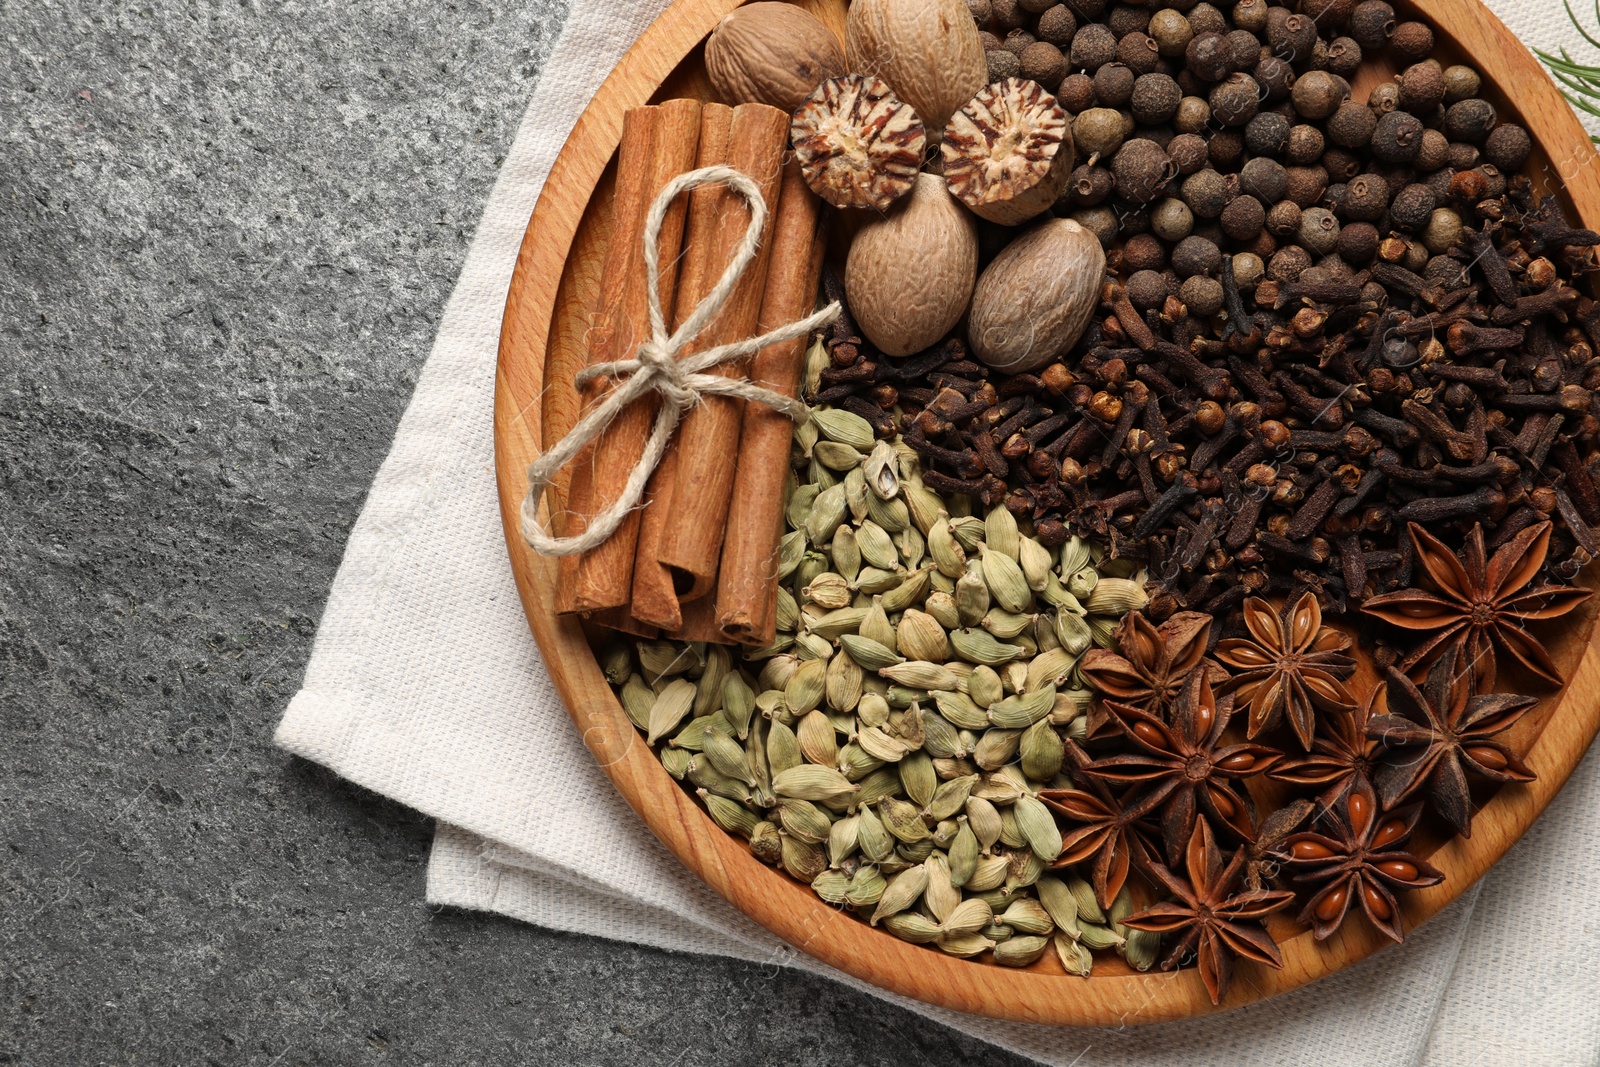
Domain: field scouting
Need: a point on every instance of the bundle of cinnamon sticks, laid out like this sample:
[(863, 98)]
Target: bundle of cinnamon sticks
[(698, 560)]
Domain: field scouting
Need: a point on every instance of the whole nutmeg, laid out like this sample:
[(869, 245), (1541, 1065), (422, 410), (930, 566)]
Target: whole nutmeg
[(1008, 153), (910, 272), (1034, 301), (771, 53), (927, 50)]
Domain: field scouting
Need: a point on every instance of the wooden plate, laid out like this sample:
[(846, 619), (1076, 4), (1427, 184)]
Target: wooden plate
[(541, 347)]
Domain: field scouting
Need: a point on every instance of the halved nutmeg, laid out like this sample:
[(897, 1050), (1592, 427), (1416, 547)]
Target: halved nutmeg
[(858, 144), (1008, 153)]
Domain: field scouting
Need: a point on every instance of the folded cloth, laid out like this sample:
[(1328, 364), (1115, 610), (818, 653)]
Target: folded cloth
[(425, 685)]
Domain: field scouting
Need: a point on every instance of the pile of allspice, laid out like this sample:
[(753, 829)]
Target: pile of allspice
[(888, 747)]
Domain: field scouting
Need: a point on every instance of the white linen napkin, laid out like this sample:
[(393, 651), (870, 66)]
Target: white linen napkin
[(425, 685)]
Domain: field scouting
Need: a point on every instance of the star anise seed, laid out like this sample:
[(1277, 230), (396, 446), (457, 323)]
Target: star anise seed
[(1218, 919), (1480, 603), (1360, 859), (1341, 755), (1154, 664), (1109, 834), (1290, 667)]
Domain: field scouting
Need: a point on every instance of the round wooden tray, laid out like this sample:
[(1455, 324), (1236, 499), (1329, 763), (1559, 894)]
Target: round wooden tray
[(541, 347)]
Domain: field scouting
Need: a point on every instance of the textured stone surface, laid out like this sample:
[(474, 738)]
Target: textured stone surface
[(227, 231)]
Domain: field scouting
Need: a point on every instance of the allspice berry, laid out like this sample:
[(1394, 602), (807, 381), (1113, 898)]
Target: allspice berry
[(1319, 230), (1188, 152), (1202, 295), (1469, 120), (1422, 87), (1243, 218), (1263, 178), (1507, 147), (1365, 199), (1127, 18), (1267, 134), (1462, 156), (1193, 115), (1412, 41), (1043, 63), (1113, 85), (1283, 219), (1017, 41), (1207, 192), (1140, 170), (1357, 243), (1443, 231), (1246, 49), (1275, 77), (1057, 25), (1247, 270), (1035, 7), (1171, 31), (1372, 24), (1143, 251), (1344, 57), (1384, 98), (1093, 46), (982, 11), (1305, 185), (1225, 149), (1341, 164), (1397, 137), (1434, 152), (1291, 37), (1008, 14), (1196, 255), (1209, 57), (1288, 263), (1155, 99), (1250, 15), (1097, 132), (1318, 94), (1147, 289), (1138, 51), (1306, 145), (1352, 125), (1090, 185), (1002, 65), (1234, 101), (1100, 221), (1459, 83), (1076, 93), (1171, 220)]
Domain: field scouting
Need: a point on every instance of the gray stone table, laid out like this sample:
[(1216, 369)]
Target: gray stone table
[(227, 231)]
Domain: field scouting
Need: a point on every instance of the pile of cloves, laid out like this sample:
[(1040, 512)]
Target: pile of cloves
[(1285, 447)]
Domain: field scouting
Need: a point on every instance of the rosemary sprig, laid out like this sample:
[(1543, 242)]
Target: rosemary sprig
[(1580, 82)]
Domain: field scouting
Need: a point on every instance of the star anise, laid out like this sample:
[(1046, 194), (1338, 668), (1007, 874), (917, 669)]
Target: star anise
[(1437, 737), (1261, 860), (1341, 755), (1154, 664), (1480, 603), (1219, 919), (1360, 859), (1182, 765), (1290, 667), (1109, 832)]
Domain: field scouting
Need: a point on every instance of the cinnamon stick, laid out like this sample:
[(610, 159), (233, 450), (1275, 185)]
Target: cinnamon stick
[(655, 592), (658, 143), (708, 440), (747, 602)]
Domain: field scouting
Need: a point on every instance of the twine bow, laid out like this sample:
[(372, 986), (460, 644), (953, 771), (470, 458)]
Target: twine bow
[(656, 366)]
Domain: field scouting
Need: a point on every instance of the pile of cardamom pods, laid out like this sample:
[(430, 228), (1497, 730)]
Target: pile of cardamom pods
[(888, 747)]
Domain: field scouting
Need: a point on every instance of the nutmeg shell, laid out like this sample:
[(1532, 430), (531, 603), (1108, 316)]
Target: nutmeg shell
[(928, 51), (910, 271), (771, 53), (1034, 301)]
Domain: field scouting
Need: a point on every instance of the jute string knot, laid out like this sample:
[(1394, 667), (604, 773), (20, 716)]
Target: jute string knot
[(656, 366)]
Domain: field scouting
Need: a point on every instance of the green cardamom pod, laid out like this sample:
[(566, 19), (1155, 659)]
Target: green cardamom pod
[(903, 890), (882, 470), (637, 699), (963, 854), (1025, 869), (676, 761), (1088, 906), (912, 547), (947, 554), (941, 895), (799, 507), (1103, 630), (920, 674), (875, 626), (939, 738), (1074, 555), (812, 782), (1027, 916), (728, 814), (827, 512), (922, 504), (972, 595), (776, 672), (1004, 624), (883, 782), (1081, 583), (942, 606), (866, 887), (903, 820), (843, 621), (1099, 938), (665, 659), (811, 564), (708, 689), (1059, 902), (1007, 585), (877, 548), (961, 710), (999, 787), (1016, 713), (1116, 596), (791, 550), (892, 515), (846, 554), (1000, 531), (872, 710), (969, 531), (920, 637), (855, 763), (880, 746), (828, 591), (1041, 751), (1140, 949), (616, 662), (1020, 951), (981, 647), (875, 580), (1076, 959), (990, 873), (671, 705), (1038, 827), (951, 796), (842, 684), (855, 495), (1010, 833), (805, 690), (996, 748), (1121, 908), (804, 820), (738, 704), (804, 861), (817, 361), (874, 839), (912, 926), (1049, 669), (845, 427), (766, 843), (1035, 561), (728, 757), (909, 593), (831, 886), (806, 436), (837, 456), (817, 742), (919, 778), (968, 917), (842, 839), (783, 748)]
